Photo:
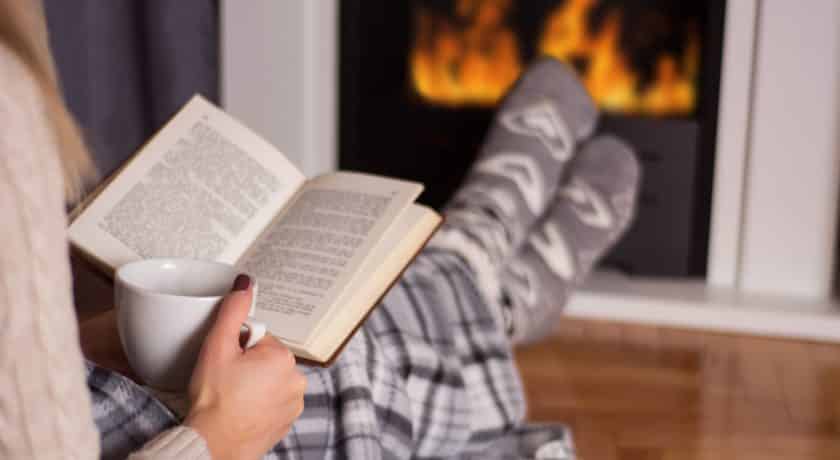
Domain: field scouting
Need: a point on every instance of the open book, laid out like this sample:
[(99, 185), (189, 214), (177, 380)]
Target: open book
[(324, 250)]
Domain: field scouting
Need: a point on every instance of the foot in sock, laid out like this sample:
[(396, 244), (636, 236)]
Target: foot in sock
[(532, 138), (590, 213)]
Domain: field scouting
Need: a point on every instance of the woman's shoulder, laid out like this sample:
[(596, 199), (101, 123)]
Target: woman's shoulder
[(22, 110), (16, 77), (21, 98), (28, 157)]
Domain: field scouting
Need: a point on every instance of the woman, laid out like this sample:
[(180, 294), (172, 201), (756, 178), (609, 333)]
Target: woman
[(431, 372), (45, 406)]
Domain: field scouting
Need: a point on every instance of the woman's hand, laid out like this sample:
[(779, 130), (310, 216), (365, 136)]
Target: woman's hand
[(243, 402)]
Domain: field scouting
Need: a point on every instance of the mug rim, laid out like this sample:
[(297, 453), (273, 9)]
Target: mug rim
[(119, 276)]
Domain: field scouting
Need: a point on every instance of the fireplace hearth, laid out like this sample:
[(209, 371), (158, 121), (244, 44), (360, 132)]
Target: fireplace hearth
[(419, 81)]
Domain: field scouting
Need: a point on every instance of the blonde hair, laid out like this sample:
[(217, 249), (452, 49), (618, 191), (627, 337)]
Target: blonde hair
[(23, 29)]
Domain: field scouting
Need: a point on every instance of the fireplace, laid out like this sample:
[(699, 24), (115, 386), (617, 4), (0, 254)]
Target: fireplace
[(419, 81), (771, 259)]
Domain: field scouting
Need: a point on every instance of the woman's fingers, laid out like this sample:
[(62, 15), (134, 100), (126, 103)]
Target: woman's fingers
[(275, 350), (224, 334), (244, 403)]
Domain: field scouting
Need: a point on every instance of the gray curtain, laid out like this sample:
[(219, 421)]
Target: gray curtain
[(127, 65)]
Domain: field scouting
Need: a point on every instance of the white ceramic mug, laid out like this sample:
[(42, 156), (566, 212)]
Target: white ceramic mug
[(165, 308)]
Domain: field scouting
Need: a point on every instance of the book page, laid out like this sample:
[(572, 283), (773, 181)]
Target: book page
[(204, 187), (402, 242), (306, 258)]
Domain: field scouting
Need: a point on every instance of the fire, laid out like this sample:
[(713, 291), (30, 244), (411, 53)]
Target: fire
[(473, 59), (611, 81)]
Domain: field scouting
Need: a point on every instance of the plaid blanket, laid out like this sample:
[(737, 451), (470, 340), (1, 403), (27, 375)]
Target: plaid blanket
[(430, 375)]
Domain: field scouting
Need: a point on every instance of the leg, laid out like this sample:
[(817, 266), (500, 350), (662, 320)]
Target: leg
[(126, 414), (533, 137), (590, 213), (430, 375)]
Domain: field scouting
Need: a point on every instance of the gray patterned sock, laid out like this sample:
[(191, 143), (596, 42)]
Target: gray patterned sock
[(533, 136), (590, 213)]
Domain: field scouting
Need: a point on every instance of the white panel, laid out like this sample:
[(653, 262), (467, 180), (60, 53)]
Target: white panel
[(321, 74), (733, 124), (694, 304), (791, 189), (279, 75)]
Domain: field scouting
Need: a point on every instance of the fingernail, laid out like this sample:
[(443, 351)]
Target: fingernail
[(242, 282)]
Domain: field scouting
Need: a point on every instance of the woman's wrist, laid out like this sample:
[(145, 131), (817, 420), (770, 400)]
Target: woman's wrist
[(207, 426)]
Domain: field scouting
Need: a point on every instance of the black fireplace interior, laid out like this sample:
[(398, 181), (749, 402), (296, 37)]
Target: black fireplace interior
[(419, 81)]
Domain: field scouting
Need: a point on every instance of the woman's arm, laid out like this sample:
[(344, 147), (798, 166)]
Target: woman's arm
[(44, 404), (45, 408)]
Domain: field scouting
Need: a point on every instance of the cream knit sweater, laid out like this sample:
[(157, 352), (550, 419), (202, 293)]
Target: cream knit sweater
[(45, 409)]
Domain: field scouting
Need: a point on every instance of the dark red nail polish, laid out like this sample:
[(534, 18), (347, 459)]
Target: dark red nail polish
[(242, 282)]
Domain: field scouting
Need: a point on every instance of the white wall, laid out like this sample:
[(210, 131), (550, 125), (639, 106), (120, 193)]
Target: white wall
[(279, 75), (790, 205), (734, 112)]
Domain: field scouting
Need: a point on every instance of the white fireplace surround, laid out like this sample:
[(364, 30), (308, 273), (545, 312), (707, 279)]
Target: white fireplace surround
[(774, 208)]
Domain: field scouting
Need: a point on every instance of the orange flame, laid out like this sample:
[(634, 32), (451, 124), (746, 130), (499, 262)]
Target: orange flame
[(474, 59), (473, 63)]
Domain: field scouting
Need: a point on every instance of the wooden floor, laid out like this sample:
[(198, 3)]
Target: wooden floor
[(644, 393)]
